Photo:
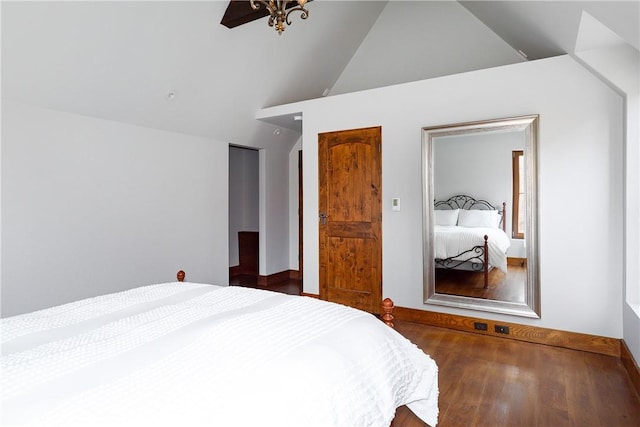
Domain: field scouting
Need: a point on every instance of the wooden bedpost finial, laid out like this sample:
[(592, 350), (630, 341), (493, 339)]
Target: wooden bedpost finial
[(181, 276), (387, 309)]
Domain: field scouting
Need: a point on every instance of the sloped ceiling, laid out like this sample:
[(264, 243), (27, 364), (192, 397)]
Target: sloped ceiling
[(435, 39), (120, 60), (548, 28)]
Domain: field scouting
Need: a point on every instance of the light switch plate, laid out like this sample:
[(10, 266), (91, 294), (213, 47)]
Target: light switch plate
[(395, 204)]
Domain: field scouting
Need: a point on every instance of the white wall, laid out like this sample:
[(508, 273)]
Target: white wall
[(274, 208), (631, 304), (91, 206), (243, 196), (618, 64), (627, 82), (580, 180)]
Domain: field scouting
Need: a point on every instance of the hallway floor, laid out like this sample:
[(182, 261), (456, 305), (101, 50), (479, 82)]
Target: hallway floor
[(290, 286)]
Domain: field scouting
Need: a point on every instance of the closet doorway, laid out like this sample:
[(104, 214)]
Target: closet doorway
[(244, 180)]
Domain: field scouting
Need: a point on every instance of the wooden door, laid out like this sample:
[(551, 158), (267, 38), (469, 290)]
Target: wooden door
[(350, 217)]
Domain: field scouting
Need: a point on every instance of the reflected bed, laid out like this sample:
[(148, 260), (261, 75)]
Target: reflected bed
[(469, 234)]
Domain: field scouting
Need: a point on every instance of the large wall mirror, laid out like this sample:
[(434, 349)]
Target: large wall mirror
[(480, 216)]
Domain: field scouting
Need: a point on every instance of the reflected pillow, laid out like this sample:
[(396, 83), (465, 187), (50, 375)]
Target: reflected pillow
[(478, 218), (447, 217)]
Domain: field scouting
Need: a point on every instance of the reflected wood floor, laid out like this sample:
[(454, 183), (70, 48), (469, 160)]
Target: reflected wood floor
[(502, 287), (490, 381)]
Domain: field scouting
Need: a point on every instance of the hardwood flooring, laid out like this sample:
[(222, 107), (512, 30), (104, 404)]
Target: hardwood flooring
[(489, 381), (291, 286), (502, 287)]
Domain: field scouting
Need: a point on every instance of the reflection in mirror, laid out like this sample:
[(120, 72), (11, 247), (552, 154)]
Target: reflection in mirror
[(480, 216)]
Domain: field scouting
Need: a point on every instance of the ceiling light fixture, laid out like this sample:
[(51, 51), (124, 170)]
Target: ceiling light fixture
[(279, 14)]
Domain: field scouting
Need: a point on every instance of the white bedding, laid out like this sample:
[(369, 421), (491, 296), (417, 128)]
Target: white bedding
[(450, 241), (185, 354)]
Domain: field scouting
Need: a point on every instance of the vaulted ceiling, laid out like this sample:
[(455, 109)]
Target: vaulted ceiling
[(172, 66)]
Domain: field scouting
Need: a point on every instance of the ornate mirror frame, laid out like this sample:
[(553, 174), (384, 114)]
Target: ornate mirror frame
[(531, 305)]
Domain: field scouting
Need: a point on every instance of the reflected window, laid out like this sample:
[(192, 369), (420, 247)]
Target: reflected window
[(519, 216)]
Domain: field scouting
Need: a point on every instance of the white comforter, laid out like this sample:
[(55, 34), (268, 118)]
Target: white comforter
[(183, 354), (450, 241)]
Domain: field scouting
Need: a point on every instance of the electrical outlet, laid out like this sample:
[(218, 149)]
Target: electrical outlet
[(480, 326), (502, 329)]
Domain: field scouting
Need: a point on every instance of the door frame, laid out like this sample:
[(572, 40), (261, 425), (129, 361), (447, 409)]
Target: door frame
[(300, 220)]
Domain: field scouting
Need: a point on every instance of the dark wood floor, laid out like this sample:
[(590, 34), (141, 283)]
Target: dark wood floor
[(490, 381), (291, 287), (502, 287)]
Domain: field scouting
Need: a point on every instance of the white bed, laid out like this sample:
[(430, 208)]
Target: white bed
[(470, 234), (185, 354), (453, 242)]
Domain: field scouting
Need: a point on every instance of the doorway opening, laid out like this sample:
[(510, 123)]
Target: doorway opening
[(244, 179)]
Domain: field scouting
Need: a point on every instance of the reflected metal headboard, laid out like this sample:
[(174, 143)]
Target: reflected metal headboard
[(462, 201)]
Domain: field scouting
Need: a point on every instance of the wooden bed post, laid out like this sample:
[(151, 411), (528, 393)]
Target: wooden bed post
[(504, 217), (486, 261), (180, 276), (387, 309)]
